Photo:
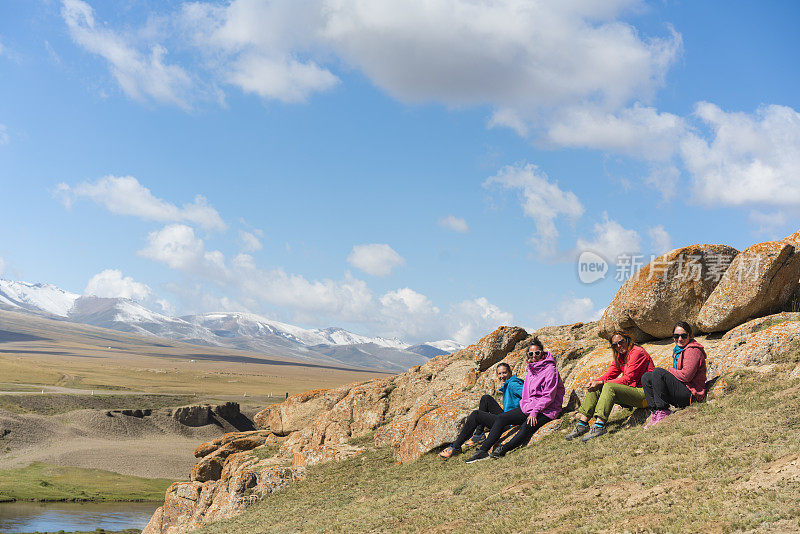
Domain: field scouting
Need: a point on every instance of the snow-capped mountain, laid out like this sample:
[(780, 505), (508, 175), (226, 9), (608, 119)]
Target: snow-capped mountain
[(231, 324), (228, 329), (45, 298)]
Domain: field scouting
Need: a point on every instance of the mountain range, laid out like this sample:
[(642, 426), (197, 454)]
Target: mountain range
[(237, 330)]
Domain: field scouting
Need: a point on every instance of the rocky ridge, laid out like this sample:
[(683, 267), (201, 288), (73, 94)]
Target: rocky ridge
[(422, 409)]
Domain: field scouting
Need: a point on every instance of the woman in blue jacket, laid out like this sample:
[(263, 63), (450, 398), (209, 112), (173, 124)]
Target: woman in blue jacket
[(487, 412)]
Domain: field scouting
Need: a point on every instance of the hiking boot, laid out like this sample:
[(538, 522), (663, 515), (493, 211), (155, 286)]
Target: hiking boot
[(498, 452), (578, 431), (596, 431), (477, 457), (476, 439)]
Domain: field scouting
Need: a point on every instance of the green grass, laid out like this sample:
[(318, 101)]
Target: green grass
[(44, 482), (55, 403), (688, 474)]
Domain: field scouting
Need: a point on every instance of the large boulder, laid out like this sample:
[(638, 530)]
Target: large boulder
[(671, 288), (760, 280), (298, 411), (493, 347)]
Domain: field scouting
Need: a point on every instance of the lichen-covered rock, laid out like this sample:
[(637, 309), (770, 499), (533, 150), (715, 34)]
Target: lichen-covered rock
[(493, 347), (190, 505), (207, 469), (435, 427), (671, 288), (255, 437), (299, 410), (760, 280), (760, 324), (757, 348)]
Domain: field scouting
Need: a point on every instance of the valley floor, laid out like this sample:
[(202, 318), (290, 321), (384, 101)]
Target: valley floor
[(730, 464)]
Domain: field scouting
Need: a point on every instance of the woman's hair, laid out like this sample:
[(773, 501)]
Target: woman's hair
[(504, 364), (630, 345), (537, 343), (686, 326)]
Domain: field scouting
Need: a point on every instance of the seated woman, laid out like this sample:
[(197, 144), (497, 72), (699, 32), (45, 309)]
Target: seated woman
[(683, 383), (542, 396), (487, 411), (621, 384)]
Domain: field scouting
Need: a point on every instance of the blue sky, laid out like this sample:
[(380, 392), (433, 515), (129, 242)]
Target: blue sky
[(421, 169)]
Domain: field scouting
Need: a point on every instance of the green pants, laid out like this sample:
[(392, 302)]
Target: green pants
[(600, 402)]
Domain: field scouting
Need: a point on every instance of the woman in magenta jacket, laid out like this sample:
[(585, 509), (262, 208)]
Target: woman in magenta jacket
[(542, 397), (681, 384)]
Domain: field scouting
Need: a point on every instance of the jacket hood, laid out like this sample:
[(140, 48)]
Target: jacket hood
[(548, 359)]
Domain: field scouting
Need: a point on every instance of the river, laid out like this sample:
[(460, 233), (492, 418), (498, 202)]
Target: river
[(52, 517)]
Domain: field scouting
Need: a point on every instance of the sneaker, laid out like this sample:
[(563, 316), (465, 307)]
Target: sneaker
[(657, 417), (498, 452), (578, 431), (476, 439), (477, 457), (596, 431), (449, 452)]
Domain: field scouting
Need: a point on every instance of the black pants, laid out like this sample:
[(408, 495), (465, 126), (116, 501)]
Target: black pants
[(485, 415), (662, 389), (525, 433), (511, 418)]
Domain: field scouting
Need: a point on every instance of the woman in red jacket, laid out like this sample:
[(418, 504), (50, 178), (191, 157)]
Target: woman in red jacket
[(621, 384), (684, 382)]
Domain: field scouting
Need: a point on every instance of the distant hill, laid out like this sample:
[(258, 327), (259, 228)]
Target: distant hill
[(239, 330)]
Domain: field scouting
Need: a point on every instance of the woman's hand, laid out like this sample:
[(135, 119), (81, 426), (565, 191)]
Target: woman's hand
[(532, 420), (594, 385)]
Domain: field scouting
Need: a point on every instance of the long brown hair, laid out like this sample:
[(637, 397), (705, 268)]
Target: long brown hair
[(617, 359)]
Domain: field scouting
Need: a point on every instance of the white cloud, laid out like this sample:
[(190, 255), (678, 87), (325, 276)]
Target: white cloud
[(178, 247), (471, 319), (660, 240), (124, 195), (406, 313), (748, 159), (4, 138), (637, 131), (573, 310), (611, 240), (141, 75), (250, 241), (375, 259), (457, 224), (542, 200), (111, 284)]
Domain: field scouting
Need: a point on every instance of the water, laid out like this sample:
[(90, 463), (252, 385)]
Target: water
[(52, 517)]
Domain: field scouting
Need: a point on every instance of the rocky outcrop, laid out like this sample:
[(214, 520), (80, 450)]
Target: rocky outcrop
[(193, 415), (422, 409), (245, 481), (492, 348), (760, 280), (671, 288)]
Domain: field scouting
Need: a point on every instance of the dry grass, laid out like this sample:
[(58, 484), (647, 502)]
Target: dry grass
[(709, 468)]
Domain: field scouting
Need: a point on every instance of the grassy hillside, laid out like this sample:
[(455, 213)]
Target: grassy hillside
[(43, 482), (732, 463)]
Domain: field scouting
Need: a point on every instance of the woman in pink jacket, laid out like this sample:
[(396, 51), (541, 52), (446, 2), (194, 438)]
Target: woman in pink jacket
[(542, 397), (683, 383)]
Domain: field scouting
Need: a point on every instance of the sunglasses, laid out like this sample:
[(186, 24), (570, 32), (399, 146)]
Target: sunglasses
[(535, 353), (620, 343), (681, 336)]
